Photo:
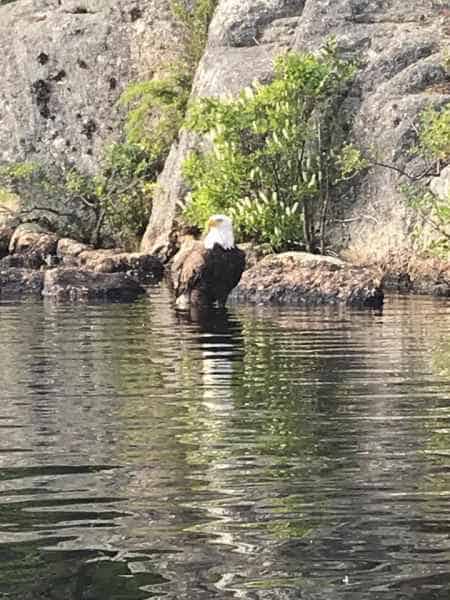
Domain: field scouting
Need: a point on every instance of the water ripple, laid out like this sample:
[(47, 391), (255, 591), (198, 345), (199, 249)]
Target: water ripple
[(257, 454)]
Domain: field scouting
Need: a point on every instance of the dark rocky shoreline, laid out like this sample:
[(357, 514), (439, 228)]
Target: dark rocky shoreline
[(41, 264), (38, 263), (428, 276)]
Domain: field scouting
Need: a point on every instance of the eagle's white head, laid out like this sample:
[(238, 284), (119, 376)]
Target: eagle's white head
[(220, 231)]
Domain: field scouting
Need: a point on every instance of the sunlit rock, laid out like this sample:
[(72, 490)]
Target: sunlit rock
[(302, 278), (28, 239), (400, 49)]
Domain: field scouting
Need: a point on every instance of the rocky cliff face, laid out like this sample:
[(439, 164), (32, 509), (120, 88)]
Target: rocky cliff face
[(400, 46), (64, 64)]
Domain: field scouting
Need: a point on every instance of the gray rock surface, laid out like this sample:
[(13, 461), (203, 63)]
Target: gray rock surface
[(20, 282), (301, 278), (143, 267), (64, 65), (75, 285), (400, 47), (441, 185), (27, 260)]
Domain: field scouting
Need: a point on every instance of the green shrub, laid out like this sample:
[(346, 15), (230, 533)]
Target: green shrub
[(156, 110), (432, 233), (59, 198), (435, 133), (125, 191), (277, 152), (112, 207)]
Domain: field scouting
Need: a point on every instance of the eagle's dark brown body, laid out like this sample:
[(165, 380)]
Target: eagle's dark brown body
[(205, 277)]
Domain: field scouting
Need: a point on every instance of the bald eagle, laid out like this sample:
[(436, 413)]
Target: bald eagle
[(205, 272)]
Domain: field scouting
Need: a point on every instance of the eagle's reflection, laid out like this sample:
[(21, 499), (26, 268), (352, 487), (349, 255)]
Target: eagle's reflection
[(218, 336)]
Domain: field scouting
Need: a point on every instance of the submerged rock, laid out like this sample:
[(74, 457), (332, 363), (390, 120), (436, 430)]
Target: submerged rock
[(19, 282), (72, 284), (302, 278)]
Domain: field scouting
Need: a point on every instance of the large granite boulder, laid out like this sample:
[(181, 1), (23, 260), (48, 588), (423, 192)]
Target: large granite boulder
[(27, 240), (64, 65), (143, 267), (400, 47), (302, 278), (74, 285)]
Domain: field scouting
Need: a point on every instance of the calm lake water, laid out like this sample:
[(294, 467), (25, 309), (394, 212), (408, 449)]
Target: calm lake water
[(255, 454)]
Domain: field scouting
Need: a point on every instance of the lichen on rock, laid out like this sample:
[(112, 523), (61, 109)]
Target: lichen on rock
[(298, 278), (65, 64)]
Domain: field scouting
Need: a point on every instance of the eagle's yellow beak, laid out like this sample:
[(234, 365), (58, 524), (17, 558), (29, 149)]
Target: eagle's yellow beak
[(211, 223)]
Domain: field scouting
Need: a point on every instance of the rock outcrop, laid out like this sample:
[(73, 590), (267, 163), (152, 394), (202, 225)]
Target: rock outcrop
[(41, 264), (64, 65), (32, 241), (299, 278), (400, 48), (16, 283), (75, 285), (428, 275)]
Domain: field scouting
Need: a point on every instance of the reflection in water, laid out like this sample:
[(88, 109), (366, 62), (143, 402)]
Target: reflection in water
[(249, 453)]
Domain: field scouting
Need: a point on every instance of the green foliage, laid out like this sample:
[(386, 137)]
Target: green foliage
[(111, 207), (435, 213), (56, 197), (155, 112), (433, 233), (435, 133), (276, 152), (350, 161), (125, 189), (156, 108), (193, 19)]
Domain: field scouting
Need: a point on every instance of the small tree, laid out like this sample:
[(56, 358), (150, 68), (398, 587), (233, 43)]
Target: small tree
[(156, 108), (433, 208), (277, 152), (114, 205)]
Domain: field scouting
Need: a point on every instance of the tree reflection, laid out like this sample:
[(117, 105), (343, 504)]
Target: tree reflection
[(244, 453)]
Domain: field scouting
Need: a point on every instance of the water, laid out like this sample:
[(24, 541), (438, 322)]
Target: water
[(259, 454)]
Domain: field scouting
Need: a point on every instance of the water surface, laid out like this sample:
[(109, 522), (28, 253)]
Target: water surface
[(256, 454)]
